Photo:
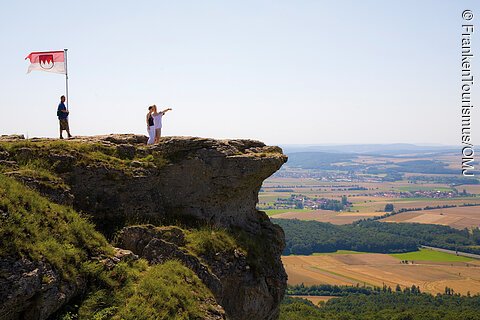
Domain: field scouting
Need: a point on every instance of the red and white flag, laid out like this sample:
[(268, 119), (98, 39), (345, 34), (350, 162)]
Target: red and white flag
[(50, 61)]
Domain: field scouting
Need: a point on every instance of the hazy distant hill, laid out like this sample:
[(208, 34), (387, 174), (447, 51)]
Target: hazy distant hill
[(345, 161), (387, 149), (318, 160)]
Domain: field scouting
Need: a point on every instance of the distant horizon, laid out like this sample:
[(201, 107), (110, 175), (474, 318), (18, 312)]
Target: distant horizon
[(389, 148), (303, 145), (369, 144)]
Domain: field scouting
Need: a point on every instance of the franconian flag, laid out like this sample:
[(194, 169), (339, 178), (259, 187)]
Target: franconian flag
[(50, 61)]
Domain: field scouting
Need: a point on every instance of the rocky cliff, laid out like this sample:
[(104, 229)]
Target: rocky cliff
[(160, 201)]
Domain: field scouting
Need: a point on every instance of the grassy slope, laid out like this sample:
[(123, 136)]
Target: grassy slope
[(136, 291), (33, 227)]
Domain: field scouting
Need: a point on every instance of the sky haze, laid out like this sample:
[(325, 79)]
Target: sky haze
[(285, 72)]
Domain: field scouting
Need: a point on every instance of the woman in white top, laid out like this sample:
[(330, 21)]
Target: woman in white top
[(150, 126), (157, 120)]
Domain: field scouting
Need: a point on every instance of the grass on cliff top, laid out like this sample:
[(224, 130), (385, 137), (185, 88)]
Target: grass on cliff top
[(86, 153), (31, 226), (57, 146)]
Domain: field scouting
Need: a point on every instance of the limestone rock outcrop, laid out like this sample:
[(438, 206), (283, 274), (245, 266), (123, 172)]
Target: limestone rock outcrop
[(119, 182), (191, 180)]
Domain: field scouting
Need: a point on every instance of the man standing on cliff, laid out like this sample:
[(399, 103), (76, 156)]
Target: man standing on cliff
[(62, 114)]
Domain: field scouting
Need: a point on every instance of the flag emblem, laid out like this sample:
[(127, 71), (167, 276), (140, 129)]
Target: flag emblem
[(50, 61), (46, 61)]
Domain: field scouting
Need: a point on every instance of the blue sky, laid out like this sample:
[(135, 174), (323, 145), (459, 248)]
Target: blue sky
[(285, 72)]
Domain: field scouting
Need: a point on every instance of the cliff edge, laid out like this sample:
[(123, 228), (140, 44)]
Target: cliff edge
[(192, 200)]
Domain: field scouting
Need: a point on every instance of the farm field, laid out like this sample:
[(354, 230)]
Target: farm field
[(340, 252), (373, 269), (472, 189), (275, 212), (430, 255), (460, 217)]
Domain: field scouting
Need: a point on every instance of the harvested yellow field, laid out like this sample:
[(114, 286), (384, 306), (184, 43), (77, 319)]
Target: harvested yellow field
[(399, 204), (459, 217), (373, 269), (315, 299), (474, 189)]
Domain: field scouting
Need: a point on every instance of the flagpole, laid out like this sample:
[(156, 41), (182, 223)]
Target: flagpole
[(66, 77)]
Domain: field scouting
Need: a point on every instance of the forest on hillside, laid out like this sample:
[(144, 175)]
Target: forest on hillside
[(307, 237), (385, 305)]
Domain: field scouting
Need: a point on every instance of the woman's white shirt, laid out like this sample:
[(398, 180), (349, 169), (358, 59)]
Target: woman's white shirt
[(157, 120)]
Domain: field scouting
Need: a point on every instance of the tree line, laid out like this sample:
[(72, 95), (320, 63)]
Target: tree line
[(343, 290)]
